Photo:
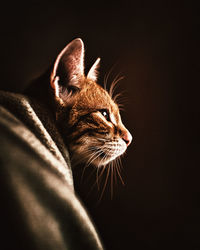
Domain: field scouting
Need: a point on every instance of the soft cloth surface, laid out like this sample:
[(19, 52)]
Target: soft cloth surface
[(39, 208)]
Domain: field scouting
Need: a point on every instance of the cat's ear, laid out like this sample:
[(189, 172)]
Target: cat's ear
[(93, 72), (68, 68)]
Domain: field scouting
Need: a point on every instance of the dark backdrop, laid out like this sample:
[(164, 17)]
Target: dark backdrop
[(156, 47)]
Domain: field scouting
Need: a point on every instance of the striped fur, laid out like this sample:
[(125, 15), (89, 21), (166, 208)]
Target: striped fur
[(86, 114), (91, 137)]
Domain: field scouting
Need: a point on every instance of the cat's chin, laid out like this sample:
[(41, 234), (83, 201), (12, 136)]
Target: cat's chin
[(99, 162), (96, 163), (98, 155), (102, 160)]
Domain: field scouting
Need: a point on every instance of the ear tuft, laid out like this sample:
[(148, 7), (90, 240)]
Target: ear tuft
[(93, 72)]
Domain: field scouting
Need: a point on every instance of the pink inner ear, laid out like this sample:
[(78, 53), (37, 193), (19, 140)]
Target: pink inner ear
[(69, 63)]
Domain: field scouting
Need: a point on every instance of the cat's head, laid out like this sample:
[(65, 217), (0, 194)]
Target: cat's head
[(89, 119)]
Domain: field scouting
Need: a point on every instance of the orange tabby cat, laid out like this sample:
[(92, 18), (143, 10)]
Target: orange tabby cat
[(88, 118)]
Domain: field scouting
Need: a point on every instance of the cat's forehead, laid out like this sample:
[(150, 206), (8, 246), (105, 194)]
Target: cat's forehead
[(94, 96)]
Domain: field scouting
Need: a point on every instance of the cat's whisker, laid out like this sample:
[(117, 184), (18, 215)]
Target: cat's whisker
[(99, 166), (96, 182), (97, 178), (92, 187), (109, 170), (87, 165), (121, 108), (115, 177), (121, 100), (120, 162), (108, 150), (83, 172), (101, 174), (114, 84), (107, 75), (106, 181), (116, 78), (89, 177), (116, 97), (105, 80), (118, 172), (90, 160), (111, 184), (93, 156)]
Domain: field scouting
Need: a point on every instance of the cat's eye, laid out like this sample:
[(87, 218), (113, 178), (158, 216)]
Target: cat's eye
[(105, 113)]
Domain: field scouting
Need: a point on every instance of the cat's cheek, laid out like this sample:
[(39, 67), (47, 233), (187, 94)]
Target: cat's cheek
[(79, 153)]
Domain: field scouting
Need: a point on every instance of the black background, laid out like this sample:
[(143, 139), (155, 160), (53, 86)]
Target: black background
[(155, 45)]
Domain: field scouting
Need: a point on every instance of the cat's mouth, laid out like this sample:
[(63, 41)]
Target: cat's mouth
[(97, 152), (102, 155)]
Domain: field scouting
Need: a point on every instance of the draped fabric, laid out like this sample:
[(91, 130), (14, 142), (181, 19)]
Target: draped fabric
[(39, 208)]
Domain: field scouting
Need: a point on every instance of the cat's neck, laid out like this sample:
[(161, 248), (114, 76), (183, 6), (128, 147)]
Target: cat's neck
[(40, 90)]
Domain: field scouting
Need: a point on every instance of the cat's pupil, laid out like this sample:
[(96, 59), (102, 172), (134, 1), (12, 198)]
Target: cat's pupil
[(105, 114)]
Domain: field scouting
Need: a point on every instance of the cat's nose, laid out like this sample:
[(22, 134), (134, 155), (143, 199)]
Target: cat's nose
[(127, 137)]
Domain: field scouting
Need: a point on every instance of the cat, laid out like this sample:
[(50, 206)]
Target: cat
[(61, 109), (85, 113)]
